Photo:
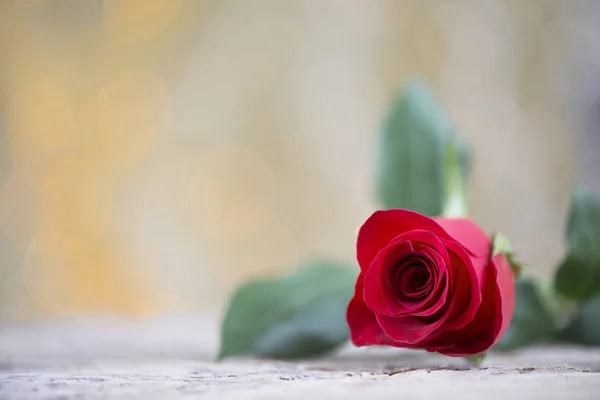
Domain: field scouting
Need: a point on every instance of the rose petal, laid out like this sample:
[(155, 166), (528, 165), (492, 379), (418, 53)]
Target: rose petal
[(466, 287), (506, 287), (465, 299), (384, 225), (434, 303), (364, 329), (468, 234), (414, 282), (383, 298), (399, 280), (378, 296), (439, 293), (429, 245), (478, 335), (492, 318), (406, 330), (428, 238)]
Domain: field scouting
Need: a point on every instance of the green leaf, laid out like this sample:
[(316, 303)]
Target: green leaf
[(297, 316), (500, 244), (585, 327), (578, 277), (532, 319), (423, 163)]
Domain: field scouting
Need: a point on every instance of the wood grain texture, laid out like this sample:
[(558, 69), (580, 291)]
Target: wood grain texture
[(172, 357)]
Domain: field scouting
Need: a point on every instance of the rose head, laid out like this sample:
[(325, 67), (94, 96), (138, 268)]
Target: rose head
[(429, 283)]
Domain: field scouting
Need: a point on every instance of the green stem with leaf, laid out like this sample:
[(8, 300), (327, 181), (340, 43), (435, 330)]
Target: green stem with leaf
[(455, 196)]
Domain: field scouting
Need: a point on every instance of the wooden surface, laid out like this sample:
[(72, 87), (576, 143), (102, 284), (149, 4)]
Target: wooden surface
[(172, 357)]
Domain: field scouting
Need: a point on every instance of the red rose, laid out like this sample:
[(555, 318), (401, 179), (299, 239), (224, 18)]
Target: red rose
[(429, 283)]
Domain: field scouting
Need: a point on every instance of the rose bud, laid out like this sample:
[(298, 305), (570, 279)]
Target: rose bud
[(431, 284)]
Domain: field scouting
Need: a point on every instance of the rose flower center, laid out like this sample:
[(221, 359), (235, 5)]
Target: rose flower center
[(412, 279)]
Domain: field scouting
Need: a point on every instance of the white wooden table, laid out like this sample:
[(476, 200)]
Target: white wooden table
[(172, 357)]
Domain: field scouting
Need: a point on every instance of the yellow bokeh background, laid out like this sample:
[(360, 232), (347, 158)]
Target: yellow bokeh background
[(156, 153)]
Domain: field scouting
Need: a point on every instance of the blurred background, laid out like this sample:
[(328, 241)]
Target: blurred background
[(156, 153)]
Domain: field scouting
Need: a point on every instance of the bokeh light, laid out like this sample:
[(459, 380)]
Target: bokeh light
[(127, 114), (158, 152), (76, 199), (41, 123), (134, 21), (274, 252), (28, 3), (66, 275), (19, 211), (231, 193)]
